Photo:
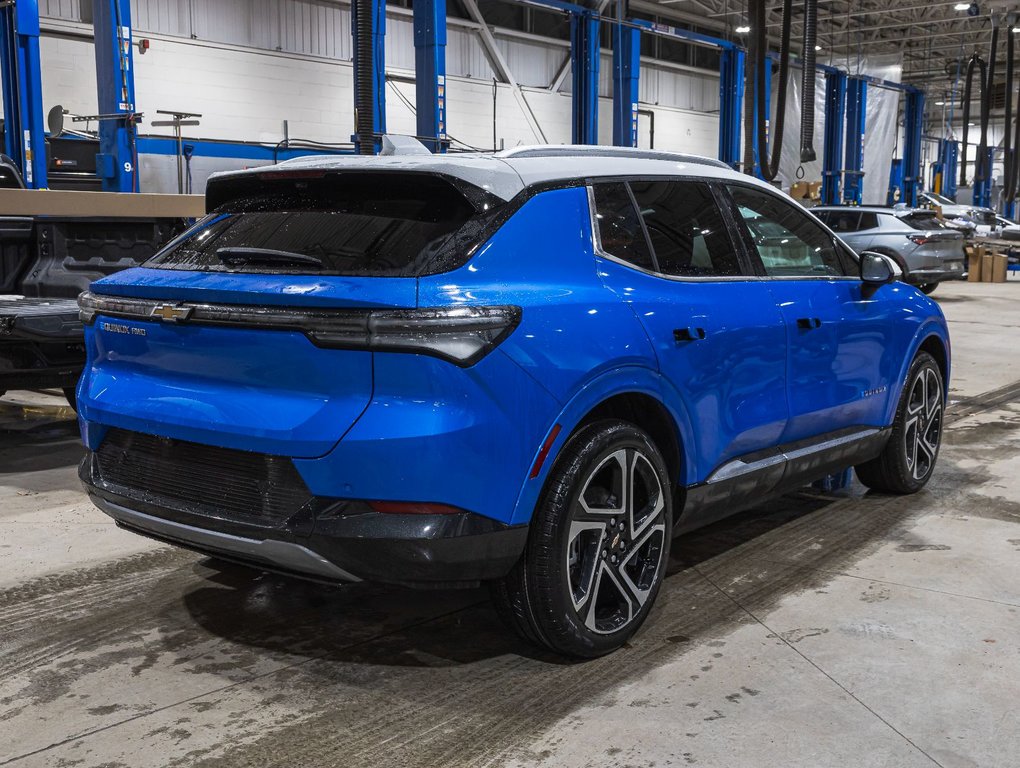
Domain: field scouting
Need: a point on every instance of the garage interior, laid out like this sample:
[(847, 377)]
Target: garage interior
[(830, 627)]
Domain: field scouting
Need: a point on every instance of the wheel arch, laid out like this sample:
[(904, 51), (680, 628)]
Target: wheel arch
[(634, 394), (932, 338)]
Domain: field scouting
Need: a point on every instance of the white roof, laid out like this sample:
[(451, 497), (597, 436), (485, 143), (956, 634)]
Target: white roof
[(506, 173)]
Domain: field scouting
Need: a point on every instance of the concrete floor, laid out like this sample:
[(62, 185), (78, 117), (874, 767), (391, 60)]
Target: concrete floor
[(847, 630)]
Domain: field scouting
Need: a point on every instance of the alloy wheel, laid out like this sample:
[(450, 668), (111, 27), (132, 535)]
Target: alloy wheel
[(923, 427), (616, 541)]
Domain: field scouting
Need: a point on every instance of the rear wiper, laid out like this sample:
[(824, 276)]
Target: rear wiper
[(246, 255)]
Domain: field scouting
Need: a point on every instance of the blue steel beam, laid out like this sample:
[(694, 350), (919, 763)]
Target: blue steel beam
[(832, 152), (731, 96), (24, 137), (584, 65), (913, 120), (375, 63), (626, 75), (856, 124), (117, 161), (430, 72)]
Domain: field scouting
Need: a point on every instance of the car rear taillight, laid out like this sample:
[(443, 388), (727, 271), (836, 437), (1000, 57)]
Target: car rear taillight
[(462, 335), (919, 239)]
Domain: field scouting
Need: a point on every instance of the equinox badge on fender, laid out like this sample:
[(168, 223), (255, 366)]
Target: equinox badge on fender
[(171, 313)]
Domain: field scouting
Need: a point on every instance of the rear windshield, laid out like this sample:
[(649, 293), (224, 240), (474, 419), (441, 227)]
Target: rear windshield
[(353, 224), (923, 220)]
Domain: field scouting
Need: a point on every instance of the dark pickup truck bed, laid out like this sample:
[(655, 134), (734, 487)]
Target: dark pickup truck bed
[(45, 262), (40, 343)]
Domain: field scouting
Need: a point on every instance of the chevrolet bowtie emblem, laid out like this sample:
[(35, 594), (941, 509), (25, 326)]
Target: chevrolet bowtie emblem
[(171, 313)]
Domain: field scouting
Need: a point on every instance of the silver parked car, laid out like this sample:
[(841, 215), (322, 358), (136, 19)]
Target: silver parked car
[(959, 215), (926, 249)]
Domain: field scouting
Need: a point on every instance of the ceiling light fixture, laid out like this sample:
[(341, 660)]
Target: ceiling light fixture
[(961, 6), (743, 29), (818, 47)]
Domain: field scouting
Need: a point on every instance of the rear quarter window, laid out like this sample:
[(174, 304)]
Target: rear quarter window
[(352, 224)]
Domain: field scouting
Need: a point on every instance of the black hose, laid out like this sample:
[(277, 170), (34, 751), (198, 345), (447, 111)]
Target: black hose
[(759, 69), (1009, 153), (976, 62), (770, 167), (807, 93), (1014, 186), (364, 103), (750, 85), (982, 170)]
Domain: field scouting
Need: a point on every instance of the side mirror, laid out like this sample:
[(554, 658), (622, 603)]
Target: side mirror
[(879, 269)]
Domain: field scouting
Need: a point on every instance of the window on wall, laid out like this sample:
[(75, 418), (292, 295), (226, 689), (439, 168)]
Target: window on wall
[(686, 228), (789, 243)]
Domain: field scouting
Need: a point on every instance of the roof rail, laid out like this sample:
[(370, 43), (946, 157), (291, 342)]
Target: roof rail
[(588, 150)]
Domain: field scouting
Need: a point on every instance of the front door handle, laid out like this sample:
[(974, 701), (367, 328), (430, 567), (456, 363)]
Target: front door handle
[(688, 334), (809, 323)]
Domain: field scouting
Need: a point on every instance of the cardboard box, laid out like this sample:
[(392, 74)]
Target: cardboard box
[(974, 263), (799, 190), (987, 264), (999, 264)]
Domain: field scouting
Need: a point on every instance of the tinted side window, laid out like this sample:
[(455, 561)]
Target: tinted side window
[(789, 243), (841, 221), (620, 231), (686, 228), (868, 221)]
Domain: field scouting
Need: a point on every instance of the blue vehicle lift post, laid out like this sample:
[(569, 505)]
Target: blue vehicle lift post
[(983, 187), (832, 153), (24, 137), (369, 74), (117, 161), (584, 64), (626, 75), (943, 171), (856, 123), (430, 72), (731, 83), (731, 96), (913, 119)]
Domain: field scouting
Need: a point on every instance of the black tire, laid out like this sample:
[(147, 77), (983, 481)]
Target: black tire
[(927, 288), (908, 459), (582, 588), (72, 397)]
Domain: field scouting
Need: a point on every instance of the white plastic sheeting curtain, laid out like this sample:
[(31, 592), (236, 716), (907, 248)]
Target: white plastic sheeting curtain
[(882, 134)]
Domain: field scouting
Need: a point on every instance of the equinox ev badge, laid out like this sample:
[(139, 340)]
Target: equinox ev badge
[(171, 313)]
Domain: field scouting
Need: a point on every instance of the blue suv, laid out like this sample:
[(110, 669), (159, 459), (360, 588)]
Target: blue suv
[(530, 369)]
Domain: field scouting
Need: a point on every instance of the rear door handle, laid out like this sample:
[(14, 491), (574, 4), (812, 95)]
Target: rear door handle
[(809, 323), (688, 334)]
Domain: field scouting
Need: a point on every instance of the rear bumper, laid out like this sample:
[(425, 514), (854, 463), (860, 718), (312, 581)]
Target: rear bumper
[(936, 275), (327, 539)]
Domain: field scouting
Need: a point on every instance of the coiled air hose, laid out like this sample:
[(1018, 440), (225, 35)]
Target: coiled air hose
[(982, 170), (807, 93), (976, 62), (364, 121), (769, 166), (1012, 149)]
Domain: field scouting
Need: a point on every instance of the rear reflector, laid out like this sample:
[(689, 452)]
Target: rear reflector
[(544, 452), (412, 508)]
